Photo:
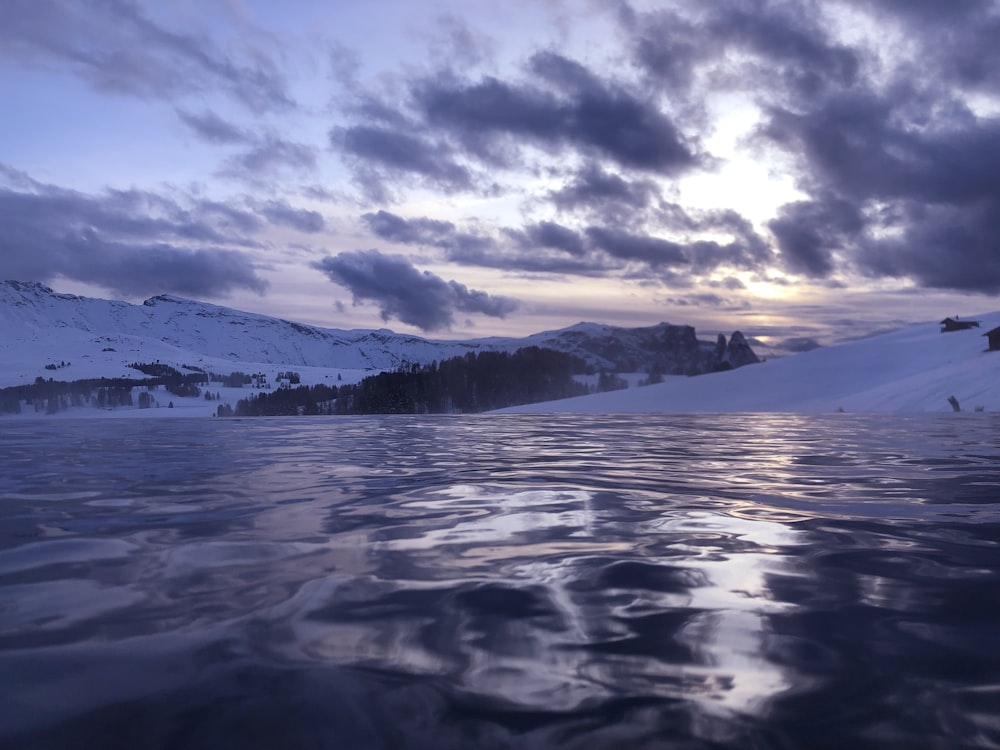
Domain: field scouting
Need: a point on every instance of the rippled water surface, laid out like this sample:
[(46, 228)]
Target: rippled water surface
[(501, 582)]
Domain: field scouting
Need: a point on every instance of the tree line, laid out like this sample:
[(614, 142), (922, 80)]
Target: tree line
[(476, 382), (52, 396)]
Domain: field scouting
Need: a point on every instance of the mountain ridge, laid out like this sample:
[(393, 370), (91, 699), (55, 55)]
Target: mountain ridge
[(177, 329)]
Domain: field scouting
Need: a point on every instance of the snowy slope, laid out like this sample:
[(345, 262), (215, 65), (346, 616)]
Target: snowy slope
[(913, 369), (100, 337), (205, 329)]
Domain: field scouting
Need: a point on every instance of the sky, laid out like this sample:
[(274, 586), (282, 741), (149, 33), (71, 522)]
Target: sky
[(806, 172)]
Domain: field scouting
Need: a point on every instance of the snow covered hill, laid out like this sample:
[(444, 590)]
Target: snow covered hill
[(39, 327), (912, 369), (37, 321)]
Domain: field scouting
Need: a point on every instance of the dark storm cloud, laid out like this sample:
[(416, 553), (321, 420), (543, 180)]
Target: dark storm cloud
[(899, 193), (543, 247), (210, 127), (606, 196), (142, 270), (691, 255), (808, 233), (456, 132), (420, 231), (551, 247), (897, 168), (381, 152), (766, 43), (969, 56), (579, 111), (549, 234), (789, 34), (865, 146), (401, 291), (637, 247), (666, 45), (948, 247), (428, 233), (133, 241), (746, 250), (116, 46)]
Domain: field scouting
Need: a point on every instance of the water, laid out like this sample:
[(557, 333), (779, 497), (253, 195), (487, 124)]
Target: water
[(501, 582)]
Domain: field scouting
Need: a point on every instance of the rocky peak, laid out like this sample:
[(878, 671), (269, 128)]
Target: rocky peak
[(27, 287), (738, 351)]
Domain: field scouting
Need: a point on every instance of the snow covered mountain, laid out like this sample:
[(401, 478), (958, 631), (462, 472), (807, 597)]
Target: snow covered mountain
[(100, 337), (913, 369)]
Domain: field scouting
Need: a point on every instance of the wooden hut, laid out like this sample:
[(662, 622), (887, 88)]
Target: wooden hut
[(954, 324), (994, 338)]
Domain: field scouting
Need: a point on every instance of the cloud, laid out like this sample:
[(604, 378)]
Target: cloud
[(627, 246), (379, 153), (606, 195), (876, 147), (456, 43), (142, 270), (551, 247), (400, 291), (809, 232), (666, 45), (268, 158), (232, 221), (895, 192), (771, 46), (210, 127), (893, 146), (528, 253), (527, 250), (974, 61), (133, 242), (461, 247), (583, 114), (116, 46), (944, 247), (457, 133), (549, 234), (419, 231), (789, 35), (282, 214)]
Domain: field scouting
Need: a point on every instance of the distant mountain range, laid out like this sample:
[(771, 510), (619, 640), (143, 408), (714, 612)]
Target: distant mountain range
[(96, 337), (69, 338)]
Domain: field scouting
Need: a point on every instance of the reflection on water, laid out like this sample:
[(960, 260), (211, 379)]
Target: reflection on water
[(580, 582)]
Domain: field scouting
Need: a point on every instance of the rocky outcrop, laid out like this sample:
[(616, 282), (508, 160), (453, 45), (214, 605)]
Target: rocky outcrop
[(666, 349), (738, 352)]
